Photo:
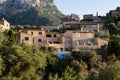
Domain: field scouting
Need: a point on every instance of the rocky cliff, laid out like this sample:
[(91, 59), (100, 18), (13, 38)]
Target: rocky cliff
[(32, 12)]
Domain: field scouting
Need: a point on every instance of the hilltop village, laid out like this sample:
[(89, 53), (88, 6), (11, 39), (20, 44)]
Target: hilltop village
[(68, 49), (71, 34)]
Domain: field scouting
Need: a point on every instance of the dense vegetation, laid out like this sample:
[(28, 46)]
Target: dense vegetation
[(31, 62)]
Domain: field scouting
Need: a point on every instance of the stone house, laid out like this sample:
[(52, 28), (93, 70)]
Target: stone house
[(32, 36), (88, 17), (90, 26), (68, 41), (49, 28), (91, 23), (71, 20), (114, 13), (4, 24), (79, 40), (86, 41)]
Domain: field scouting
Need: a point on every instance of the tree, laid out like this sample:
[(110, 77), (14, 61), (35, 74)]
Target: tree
[(55, 77), (111, 58), (90, 58), (103, 51), (17, 28), (1, 65), (68, 74), (113, 29), (110, 72), (114, 45), (23, 62), (77, 55), (80, 69), (52, 50), (10, 37), (1, 38)]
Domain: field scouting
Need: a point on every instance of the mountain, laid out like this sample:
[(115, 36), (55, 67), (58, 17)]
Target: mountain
[(32, 12)]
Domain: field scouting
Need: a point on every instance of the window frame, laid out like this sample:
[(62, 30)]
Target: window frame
[(26, 38)]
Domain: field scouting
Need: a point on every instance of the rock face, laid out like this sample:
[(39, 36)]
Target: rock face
[(32, 12)]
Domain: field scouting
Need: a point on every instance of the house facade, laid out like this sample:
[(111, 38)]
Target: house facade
[(114, 13), (49, 28), (71, 20), (80, 40), (88, 17), (91, 23), (92, 26), (32, 36), (4, 24), (64, 42)]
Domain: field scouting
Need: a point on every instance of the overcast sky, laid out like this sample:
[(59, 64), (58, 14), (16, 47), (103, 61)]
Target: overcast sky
[(82, 7)]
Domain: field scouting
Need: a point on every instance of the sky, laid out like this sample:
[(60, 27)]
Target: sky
[(82, 7)]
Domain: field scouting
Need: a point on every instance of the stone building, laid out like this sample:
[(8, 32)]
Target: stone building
[(71, 20), (91, 23), (4, 24), (64, 42), (91, 26), (114, 13)]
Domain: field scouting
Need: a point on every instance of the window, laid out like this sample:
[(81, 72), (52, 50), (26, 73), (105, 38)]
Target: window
[(105, 43), (33, 40), (50, 42), (48, 35), (67, 42), (78, 42), (31, 33), (84, 26), (56, 42), (93, 26), (61, 49), (40, 33), (55, 35), (67, 49), (26, 38), (7, 25), (77, 34), (89, 35), (39, 40), (89, 42)]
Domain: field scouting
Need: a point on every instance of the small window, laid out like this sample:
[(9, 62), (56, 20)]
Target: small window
[(33, 40), (7, 25), (61, 49), (56, 42), (40, 33), (55, 35), (77, 34), (50, 42), (94, 26), (89, 42), (48, 35), (78, 42), (89, 35), (67, 49), (39, 40), (67, 42), (31, 33), (105, 43), (84, 26), (26, 38)]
